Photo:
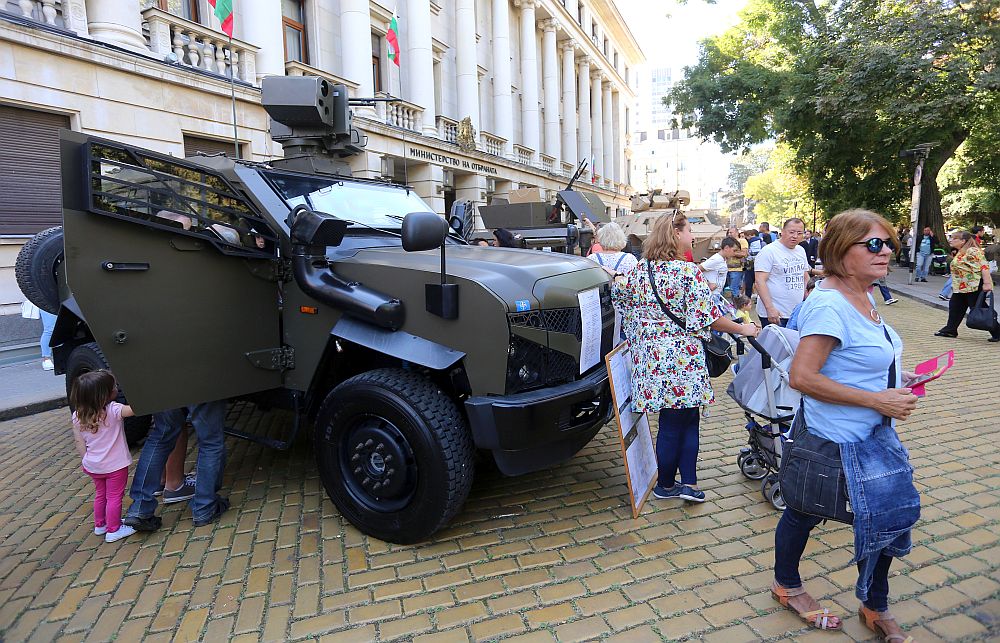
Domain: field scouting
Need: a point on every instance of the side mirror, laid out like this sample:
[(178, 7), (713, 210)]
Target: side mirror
[(313, 229), (423, 231)]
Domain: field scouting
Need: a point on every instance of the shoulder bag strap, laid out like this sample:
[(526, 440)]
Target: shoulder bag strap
[(652, 284), (621, 256), (886, 420), (599, 260)]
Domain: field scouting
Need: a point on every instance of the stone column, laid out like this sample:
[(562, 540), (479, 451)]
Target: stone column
[(117, 22), (503, 105), (420, 57), (616, 121), (569, 152), (468, 75), (609, 140), (472, 187), (529, 79), (356, 49), (583, 98), (425, 179), (550, 85), (75, 17), (260, 25), (597, 122)]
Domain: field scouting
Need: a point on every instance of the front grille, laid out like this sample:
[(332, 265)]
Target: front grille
[(531, 365)]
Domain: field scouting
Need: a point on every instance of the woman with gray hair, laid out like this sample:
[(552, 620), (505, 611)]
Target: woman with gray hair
[(611, 257)]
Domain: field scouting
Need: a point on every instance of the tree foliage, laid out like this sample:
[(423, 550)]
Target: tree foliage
[(846, 86), (780, 192)]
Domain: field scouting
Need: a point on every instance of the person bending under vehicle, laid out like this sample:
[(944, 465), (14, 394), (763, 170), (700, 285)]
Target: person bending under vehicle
[(206, 505)]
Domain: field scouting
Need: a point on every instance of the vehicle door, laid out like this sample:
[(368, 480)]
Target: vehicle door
[(170, 266)]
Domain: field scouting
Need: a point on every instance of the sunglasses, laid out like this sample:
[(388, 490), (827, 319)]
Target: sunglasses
[(875, 245)]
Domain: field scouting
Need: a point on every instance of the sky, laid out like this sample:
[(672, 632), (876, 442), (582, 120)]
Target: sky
[(655, 23)]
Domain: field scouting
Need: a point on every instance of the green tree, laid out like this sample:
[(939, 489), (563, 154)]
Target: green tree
[(779, 192), (847, 85)]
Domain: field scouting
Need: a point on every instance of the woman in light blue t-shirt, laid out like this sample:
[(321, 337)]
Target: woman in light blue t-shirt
[(842, 367)]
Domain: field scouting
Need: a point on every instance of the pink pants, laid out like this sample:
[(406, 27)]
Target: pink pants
[(110, 489)]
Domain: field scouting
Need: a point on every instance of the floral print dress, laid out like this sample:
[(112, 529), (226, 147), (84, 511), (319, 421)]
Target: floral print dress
[(668, 363)]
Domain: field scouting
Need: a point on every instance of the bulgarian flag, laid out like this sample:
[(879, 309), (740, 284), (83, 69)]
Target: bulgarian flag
[(392, 39), (224, 12)]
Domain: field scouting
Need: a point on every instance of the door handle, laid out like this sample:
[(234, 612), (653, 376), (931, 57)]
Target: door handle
[(124, 266)]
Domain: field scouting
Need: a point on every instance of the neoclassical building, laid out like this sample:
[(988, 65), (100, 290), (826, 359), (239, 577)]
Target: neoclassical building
[(545, 83)]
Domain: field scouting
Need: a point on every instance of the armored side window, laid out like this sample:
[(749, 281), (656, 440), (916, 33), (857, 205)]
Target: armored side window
[(163, 192)]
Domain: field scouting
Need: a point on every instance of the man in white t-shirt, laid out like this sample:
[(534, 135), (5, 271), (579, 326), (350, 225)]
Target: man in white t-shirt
[(716, 267), (781, 272)]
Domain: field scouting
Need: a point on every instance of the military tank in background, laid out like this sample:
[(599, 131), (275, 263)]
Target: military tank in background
[(647, 208)]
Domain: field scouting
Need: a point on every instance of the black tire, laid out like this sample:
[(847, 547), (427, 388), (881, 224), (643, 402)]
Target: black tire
[(35, 269), (88, 357), (394, 453)]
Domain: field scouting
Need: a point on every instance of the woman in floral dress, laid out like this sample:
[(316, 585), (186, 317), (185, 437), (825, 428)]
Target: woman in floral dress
[(970, 274), (669, 375)]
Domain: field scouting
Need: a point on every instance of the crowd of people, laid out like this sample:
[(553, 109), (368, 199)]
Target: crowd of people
[(848, 368)]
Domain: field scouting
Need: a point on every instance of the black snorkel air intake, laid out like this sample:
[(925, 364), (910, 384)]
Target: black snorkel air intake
[(311, 234)]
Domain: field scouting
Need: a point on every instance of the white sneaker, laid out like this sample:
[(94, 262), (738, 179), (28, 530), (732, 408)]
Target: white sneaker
[(889, 302), (123, 532), (47, 364), (100, 531)]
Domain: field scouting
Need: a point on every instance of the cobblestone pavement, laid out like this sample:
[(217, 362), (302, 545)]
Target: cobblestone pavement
[(549, 556)]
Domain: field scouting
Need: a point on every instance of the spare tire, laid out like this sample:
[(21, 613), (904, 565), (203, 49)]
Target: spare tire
[(35, 269), (89, 357)]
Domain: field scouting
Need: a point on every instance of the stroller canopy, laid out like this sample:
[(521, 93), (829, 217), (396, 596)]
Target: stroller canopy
[(752, 383)]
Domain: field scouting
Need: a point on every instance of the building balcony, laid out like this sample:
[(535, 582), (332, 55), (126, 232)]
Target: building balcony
[(401, 114), (492, 144), (295, 68), (548, 163), (48, 11), (447, 129), (199, 47), (523, 154)]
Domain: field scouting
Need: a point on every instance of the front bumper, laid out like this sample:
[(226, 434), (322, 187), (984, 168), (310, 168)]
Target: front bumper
[(532, 430)]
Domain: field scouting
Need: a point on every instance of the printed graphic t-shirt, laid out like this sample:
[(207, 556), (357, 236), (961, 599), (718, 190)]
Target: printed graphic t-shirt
[(786, 279)]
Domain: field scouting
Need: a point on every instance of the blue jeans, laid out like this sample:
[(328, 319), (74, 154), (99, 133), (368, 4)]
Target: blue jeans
[(946, 289), (790, 540), (735, 282), (923, 266), (208, 420), (886, 295), (48, 323), (677, 446), (748, 277)]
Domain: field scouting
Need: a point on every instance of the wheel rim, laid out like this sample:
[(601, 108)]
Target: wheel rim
[(377, 464), (754, 467)]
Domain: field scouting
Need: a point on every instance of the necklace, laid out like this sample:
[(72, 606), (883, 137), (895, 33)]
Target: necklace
[(871, 313)]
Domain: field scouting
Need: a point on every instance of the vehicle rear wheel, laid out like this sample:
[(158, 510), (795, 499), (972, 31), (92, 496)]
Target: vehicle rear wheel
[(35, 269), (89, 357), (394, 454)]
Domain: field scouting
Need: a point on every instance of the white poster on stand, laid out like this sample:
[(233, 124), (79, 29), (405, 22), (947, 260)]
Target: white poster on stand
[(590, 318), (633, 430)]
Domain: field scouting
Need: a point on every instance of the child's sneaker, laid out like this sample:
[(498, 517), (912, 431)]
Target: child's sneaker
[(691, 495), (663, 493), (100, 531), (123, 532)]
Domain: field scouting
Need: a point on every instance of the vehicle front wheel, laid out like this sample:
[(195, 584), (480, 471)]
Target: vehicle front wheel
[(394, 454), (89, 357)]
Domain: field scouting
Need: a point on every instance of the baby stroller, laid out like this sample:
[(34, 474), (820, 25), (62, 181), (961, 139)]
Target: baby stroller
[(939, 262), (761, 387)]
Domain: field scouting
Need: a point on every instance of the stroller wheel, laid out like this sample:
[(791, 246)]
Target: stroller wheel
[(744, 454), (774, 496), (754, 466)]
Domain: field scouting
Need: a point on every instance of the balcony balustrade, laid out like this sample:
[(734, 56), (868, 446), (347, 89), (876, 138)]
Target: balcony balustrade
[(548, 163), (523, 154), (402, 114), (200, 47), (295, 68), (492, 144), (47, 11), (447, 129)]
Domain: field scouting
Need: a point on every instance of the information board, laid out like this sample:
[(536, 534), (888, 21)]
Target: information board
[(633, 429)]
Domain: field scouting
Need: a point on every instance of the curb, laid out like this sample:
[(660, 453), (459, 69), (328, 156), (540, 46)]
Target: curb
[(32, 409)]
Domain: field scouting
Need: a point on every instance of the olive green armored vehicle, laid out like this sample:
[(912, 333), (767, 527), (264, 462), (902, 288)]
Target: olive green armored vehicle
[(294, 285)]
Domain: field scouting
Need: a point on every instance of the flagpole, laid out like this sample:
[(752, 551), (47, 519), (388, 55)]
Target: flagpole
[(232, 93)]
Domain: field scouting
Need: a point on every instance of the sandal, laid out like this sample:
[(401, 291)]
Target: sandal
[(821, 619), (871, 620)]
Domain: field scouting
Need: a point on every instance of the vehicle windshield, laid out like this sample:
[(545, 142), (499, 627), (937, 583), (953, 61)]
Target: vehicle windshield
[(380, 206)]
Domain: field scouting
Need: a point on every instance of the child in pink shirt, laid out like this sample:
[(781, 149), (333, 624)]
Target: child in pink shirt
[(99, 433)]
